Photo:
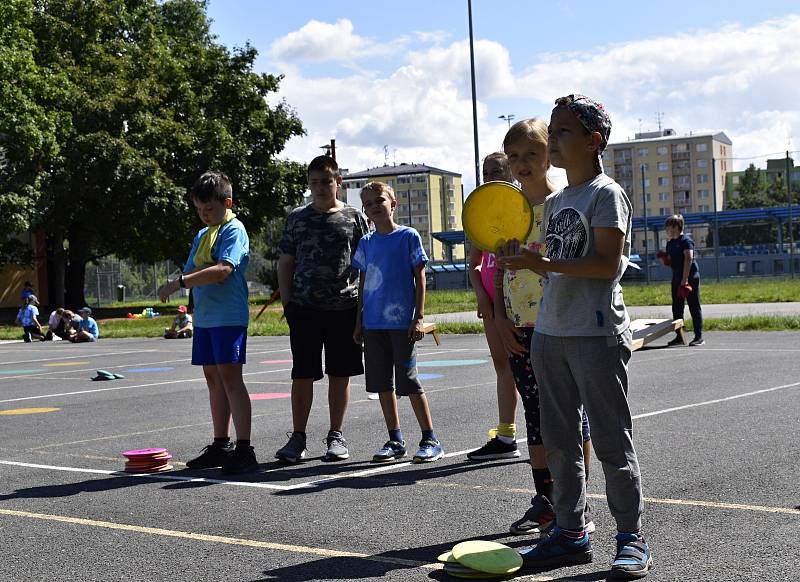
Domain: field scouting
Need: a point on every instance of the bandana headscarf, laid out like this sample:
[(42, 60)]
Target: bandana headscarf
[(592, 115), (202, 256)]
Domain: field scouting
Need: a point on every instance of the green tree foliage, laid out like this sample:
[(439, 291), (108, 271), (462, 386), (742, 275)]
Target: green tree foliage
[(139, 100)]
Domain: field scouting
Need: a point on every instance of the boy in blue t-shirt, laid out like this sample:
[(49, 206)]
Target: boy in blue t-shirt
[(28, 319), (87, 328), (215, 272), (391, 301)]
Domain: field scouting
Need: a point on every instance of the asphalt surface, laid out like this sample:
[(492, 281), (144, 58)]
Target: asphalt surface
[(717, 432)]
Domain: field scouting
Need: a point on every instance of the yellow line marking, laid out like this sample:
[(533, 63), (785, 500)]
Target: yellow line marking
[(65, 364), (295, 549), (15, 411)]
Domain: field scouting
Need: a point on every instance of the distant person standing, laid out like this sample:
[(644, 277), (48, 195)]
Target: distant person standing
[(27, 291), (685, 278)]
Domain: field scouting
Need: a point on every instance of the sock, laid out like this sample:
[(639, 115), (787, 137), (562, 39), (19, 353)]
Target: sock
[(543, 482), (242, 443), (302, 434), (573, 534), (506, 432), (222, 442), (429, 434), (396, 435), (333, 433)]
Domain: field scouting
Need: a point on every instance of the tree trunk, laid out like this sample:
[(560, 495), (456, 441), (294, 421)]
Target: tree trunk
[(75, 281), (56, 259)]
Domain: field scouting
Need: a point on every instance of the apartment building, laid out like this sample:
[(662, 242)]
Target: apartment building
[(428, 199), (666, 174), (766, 176)]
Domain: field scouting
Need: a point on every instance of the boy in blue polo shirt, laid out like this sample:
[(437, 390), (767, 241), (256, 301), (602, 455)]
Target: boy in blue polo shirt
[(215, 272), (87, 328), (391, 302)]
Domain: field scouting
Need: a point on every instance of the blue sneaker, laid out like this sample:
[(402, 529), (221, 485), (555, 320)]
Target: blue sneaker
[(633, 558), (558, 550), (429, 450), (390, 451)]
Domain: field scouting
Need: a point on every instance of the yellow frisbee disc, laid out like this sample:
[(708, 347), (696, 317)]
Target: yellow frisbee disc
[(494, 213)]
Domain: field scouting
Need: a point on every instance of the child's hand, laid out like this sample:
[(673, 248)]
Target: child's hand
[(485, 307), (358, 334), (510, 336), (522, 259), (415, 332)]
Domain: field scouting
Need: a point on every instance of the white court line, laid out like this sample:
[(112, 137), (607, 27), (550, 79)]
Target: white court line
[(81, 357), (164, 477), (127, 387), (135, 365), (717, 400)]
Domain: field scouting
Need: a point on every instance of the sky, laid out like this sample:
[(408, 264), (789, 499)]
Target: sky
[(390, 81)]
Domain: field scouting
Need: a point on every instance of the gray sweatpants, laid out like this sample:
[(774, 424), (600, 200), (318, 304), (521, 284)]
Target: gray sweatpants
[(592, 372)]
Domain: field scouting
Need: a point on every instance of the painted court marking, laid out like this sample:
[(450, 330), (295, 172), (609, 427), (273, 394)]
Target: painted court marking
[(269, 395), (16, 411), (58, 364), (95, 355), (448, 363), (146, 370)]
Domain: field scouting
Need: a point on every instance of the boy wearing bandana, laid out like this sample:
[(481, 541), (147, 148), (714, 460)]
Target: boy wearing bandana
[(215, 272), (582, 343)]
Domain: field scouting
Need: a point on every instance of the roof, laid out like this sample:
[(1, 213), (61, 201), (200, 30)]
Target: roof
[(450, 237), (717, 136), (739, 215), (400, 170)]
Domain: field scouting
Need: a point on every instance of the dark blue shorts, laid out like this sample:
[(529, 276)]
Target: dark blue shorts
[(219, 345)]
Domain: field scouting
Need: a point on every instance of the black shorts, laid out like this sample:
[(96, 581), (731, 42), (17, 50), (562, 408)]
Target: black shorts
[(312, 329), (387, 351)]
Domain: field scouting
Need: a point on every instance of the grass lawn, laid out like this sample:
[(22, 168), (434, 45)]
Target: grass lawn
[(114, 324)]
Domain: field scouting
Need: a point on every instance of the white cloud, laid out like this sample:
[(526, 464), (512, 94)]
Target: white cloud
[(318, 42)]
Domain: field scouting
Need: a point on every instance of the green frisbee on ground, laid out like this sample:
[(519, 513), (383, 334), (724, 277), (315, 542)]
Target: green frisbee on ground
[(488, 557), (458, 571), (446, 558)]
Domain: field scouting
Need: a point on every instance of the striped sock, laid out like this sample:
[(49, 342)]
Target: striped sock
[(574, 535)]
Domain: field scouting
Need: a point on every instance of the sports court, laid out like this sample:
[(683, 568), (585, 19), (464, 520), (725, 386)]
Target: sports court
[(716, 431)]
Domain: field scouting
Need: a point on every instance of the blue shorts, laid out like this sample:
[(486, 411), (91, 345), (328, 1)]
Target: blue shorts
[(219, 345)]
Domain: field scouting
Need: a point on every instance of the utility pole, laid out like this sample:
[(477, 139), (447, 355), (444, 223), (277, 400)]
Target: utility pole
[(474, 132), (644, 210), (791, 225), (716, 214), (509, 118)]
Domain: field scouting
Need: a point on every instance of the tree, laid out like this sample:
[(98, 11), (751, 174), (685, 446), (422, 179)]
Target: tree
[(751, 190), (149, 101)]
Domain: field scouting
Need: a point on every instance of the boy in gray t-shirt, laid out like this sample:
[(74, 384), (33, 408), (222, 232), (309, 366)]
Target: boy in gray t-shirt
[(582, 343)]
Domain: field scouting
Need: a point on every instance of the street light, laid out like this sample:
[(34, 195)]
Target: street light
[(509, 118)]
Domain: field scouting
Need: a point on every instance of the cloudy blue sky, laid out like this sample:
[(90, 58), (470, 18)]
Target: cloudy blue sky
[(374, 74)]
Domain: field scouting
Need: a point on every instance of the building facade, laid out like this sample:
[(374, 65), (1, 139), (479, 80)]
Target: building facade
[(775, 167), (428, 199), (666, 174)]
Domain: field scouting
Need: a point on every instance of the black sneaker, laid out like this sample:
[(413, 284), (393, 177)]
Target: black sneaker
[(537, 518), (241, 460), (558, 550), (337, 447), (212, 456), (295, 450), (698, 341), (676, 341), (495, 449)]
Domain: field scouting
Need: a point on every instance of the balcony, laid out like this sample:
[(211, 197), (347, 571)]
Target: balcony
[(680, 156)]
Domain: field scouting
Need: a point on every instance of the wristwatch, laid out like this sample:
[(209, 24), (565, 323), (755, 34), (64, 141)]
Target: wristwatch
[(181, 282)]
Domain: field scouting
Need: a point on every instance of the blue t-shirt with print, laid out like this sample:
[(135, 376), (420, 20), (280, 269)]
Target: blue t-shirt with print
[(389, 261), (90, 325), (223, 304)]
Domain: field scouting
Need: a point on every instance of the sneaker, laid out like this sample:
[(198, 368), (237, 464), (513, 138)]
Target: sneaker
[(494, 449), (390, 451), (26, 337), (676, 341), (241, 460), (337, 447), (558, 550), (698, 341), (295, 450), (633, 559), (538, 516), (212, 456), (429, 450)]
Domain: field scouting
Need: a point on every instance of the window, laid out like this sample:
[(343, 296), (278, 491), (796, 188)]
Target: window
[(702, 194), (661, 150), (702, 163), (778, 267), (701, 147), (704, 208), (680, 148), (420, 179), (663, 212), (644, 152), (758, 268), (683, 180), (741, 267), (663, 196), (404, 180), (663, 166), (681, 165), (735, 194), (647, 197), (647, 182), (735, 179), (702, 178), (662, 181)]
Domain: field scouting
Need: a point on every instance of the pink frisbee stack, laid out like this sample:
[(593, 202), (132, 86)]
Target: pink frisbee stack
[(147, 461)]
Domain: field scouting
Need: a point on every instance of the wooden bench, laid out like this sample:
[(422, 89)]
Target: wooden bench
[(430, 328), (645, 331)]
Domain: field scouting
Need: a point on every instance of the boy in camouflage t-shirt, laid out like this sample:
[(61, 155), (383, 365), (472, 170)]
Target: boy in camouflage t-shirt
[(319, 290)]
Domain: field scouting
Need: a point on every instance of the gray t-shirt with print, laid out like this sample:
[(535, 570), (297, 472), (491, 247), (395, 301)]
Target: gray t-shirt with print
[(579, 306)]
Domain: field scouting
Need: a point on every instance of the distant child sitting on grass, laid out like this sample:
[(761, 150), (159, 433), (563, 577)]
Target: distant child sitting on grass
[(582, 342), (181, 325), (215, 272), (318, 289), (391, 302), (87, 329)]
